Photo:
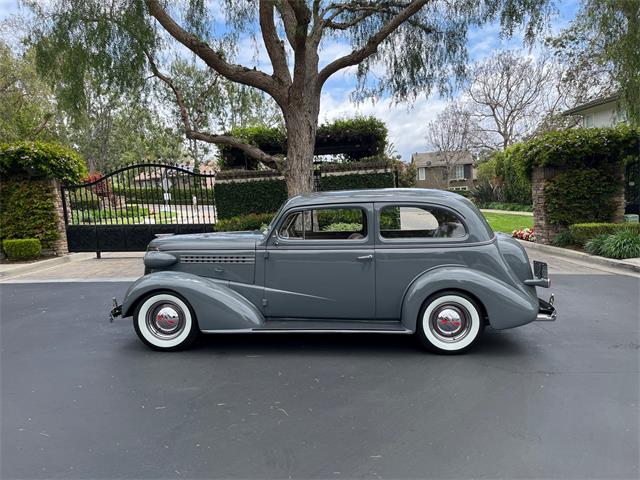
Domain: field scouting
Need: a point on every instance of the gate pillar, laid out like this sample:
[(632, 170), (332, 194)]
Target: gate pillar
[(59, 246)]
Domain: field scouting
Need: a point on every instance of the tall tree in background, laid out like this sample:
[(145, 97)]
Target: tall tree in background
[(450, 134), (601, 48), (419, 44)]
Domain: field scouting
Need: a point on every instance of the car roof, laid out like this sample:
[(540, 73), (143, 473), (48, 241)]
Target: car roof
[(376, 195)]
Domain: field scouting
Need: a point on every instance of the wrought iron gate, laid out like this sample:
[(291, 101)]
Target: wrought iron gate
[(125, 209)]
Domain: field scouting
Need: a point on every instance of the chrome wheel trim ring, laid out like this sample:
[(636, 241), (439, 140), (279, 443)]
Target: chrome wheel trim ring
[(165, 320), (450, 322)]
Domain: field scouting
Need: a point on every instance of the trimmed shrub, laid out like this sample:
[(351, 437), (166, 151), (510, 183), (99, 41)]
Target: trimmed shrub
[(509, 207), (242, 198), (580, 196), (27, 211), (22, 249), (357, 181), (564, 239), (41, 160), (622, 244), (595, 246), (251, 221), (583, 232)]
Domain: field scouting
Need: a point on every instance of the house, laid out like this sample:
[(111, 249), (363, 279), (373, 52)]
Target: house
[(601, 112), (445, 170)]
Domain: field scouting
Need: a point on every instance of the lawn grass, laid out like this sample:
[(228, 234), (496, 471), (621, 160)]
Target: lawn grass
[(503, 222)]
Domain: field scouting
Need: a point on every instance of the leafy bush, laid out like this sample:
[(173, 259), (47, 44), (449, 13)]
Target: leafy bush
[(622, 244), (515, 185), (22, 249), (485, 192), (41, 160), (580, 196), (27, 211), (564, 239), (179, 195), (251, 221), (595, 246), (133, 214), (583, 232), (577, 148), (342, 227)]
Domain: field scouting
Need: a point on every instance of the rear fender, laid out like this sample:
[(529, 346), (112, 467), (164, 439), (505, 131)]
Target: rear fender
[(215, 305), (505, 305)]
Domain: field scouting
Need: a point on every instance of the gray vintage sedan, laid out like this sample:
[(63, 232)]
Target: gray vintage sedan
[(396, 261)]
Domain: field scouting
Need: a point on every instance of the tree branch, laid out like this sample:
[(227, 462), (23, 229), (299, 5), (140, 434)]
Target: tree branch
[(357, 56), (236, 73), (273, 44)]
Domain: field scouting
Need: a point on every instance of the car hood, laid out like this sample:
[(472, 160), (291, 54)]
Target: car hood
[(208, 241)]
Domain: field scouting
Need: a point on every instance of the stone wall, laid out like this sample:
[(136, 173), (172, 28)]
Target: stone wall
[(60, 245), (545, 231)]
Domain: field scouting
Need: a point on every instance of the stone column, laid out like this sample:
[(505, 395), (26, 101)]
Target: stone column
[(545, 231), (617, 172), (60, 245)]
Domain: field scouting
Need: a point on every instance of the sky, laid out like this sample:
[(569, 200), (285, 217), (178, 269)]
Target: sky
[(407, 121)]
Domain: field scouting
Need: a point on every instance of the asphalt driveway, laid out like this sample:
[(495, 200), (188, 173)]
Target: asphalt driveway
[(82, 398)]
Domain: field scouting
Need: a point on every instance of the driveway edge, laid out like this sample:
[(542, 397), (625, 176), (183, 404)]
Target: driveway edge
[(11, 270), (584, 257)]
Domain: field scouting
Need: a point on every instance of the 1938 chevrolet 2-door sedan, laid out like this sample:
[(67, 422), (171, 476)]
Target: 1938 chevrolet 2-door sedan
[(403, 261)]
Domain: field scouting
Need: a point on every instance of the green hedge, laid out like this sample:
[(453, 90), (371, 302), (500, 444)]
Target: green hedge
[(583, 232), (41, 160), (179, 196), (22, 249), (27, 211), (580, 196), (264, 196), (509, 207), (241, 198), (357, 181), (252, 221)]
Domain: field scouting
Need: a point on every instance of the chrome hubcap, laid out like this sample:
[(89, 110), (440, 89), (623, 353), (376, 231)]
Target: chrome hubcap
[(450, 322), (165, 320)]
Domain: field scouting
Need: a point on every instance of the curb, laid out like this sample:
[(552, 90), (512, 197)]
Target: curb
[(21, 269), (584, 257)]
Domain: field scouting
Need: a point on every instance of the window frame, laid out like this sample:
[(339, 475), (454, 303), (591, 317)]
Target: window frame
[(366, 208), (455, 175), (432, 241), (422, 174)]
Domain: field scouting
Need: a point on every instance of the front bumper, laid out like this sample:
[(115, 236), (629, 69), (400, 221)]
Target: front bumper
[(546, 311)]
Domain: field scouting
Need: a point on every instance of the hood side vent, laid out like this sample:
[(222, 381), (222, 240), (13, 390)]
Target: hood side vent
[(240, 259)]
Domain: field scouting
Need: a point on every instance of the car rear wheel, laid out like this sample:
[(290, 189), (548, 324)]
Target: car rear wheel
[(165, 321), (449, 323)]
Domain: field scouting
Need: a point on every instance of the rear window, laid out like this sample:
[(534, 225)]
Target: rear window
[(419, 222)]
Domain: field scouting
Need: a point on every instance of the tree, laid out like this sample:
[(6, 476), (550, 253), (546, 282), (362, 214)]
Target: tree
[(600, 48), (420, 44), (509, 95), (450, 134)]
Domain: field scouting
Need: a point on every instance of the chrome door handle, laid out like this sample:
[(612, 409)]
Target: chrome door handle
[(366, 257)]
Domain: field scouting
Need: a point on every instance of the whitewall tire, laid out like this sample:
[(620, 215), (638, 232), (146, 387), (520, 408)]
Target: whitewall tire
[(449, 323), (165, 321)]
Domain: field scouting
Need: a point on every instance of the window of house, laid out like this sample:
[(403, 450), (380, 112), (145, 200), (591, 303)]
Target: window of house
[(588, 121), (325, 224), (458, 172), (422, 173), (404, 222)]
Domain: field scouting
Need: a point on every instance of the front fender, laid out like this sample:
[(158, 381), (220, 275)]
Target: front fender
[(215, 305), (506, 306)]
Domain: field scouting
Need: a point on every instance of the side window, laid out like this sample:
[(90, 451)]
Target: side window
[(325, 224), (419, 222)]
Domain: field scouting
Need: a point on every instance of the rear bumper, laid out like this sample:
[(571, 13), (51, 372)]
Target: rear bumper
[(546, 311)]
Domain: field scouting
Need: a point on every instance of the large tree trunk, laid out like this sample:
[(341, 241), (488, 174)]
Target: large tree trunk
[(302, 124)]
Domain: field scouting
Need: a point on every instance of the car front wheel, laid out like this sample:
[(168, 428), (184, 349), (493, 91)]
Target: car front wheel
[(449, 323), (164, 321)]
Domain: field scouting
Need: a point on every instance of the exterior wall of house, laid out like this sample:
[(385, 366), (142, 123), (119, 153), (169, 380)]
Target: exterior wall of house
[(601, 116)]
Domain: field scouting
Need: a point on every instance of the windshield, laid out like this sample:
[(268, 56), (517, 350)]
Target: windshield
[(265, 228)]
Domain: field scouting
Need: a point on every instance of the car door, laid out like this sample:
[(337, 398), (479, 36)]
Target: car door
[(320, 264)]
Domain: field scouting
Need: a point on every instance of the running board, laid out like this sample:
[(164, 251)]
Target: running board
[(322, 326)]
